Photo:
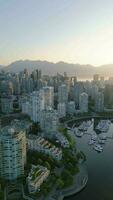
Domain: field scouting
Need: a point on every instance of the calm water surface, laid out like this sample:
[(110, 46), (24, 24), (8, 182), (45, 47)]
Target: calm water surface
[(100, 171)]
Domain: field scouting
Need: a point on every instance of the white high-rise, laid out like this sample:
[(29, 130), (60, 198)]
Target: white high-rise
[(83, 102), (12, 152), (63, 94), (26, 108), (61, 110), (94, 91), (99, 102), (71, 107), (49, 121), (37, 104), (77, 90), (48, 97)]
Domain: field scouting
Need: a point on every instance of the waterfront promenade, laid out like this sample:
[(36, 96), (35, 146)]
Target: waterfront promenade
[(80, 182)]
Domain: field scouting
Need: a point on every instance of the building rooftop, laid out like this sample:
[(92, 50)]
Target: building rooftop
[(36, 171)]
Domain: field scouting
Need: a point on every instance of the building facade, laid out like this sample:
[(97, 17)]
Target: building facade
[(12, 152)]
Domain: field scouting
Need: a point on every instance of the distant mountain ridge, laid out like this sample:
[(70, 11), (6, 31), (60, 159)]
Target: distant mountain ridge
[(50, 68)]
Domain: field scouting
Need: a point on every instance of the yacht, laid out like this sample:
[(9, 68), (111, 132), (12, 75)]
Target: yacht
[(101, 141), (103, 137), (103, 126), (98, 148), (91, 142), (94, 137)]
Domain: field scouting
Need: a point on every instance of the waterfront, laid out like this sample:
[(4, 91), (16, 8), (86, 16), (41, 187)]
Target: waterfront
[(100, 171)]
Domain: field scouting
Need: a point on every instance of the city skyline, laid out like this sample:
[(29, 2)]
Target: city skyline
[(54, 127), (69, 31), (56, 99)]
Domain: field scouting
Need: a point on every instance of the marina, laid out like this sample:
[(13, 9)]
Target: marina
[(99, 164), (98, 135)]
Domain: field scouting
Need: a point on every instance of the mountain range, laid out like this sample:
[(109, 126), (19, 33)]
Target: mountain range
[(50, 68)]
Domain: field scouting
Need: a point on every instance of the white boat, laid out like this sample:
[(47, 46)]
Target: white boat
[(91, 142), (85, 125), (98, 145), (101, 141), (103, 125), (94, 137), (98, 148), (103, 137)]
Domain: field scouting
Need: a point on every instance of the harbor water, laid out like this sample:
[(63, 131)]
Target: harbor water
[(100, 170)]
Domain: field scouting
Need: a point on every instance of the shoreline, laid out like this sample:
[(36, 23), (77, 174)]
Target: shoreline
[(79, 184), (89, 117)]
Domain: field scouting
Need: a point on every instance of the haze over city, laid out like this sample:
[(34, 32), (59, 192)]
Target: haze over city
[(69, 30)]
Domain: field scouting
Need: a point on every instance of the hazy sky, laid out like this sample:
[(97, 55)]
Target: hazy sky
[(78, 31)]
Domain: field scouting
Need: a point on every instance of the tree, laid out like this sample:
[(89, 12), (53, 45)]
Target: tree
[(40, 161), (35, 129), (48, 165), (1, 195), (60, 183)]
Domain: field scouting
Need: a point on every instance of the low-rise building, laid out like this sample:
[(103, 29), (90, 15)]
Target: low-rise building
[(62, 140), (36, 177), (44, 146)]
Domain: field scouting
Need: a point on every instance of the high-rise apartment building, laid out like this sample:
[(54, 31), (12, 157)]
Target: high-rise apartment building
[(7, 104), (63, 94), (48, 97), (99, 102), (83, 102), (61, 110), (49, 121), (12, 152)]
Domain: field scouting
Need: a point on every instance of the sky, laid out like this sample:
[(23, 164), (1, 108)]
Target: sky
[(74, 31)]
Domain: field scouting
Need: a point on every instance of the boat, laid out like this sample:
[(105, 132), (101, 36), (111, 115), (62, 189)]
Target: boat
[(103, 126), (98, 145), (101, 141), (94, 137), (98, 148), (103, 137), (85, 125), (91, 142)]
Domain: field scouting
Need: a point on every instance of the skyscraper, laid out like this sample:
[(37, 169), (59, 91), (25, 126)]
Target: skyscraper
[(48, 97), (37, 104), (99, 102), (63, 94), (83, 102), (12, 152), (78, 89), (61, 110), (49, 121)]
